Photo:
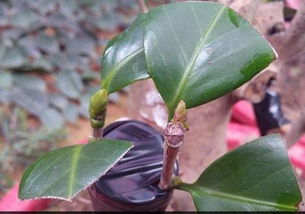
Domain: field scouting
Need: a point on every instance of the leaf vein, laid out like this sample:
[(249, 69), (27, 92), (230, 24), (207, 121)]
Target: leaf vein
[(192, 61)]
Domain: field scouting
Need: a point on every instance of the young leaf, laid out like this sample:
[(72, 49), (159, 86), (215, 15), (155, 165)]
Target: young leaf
[(255, 177), (199, 51), (124, 58), (64, 172)]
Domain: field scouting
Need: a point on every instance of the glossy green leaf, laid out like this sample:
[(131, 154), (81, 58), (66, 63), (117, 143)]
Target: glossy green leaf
[(199, 51), (255, 177), (64, 172), (124, 59)]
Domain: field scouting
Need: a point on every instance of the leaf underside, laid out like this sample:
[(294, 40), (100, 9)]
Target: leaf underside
[(255, 177), (64, 172)]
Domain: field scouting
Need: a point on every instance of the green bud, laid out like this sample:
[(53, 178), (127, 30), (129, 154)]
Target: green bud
[(98, 103), (180, 112)]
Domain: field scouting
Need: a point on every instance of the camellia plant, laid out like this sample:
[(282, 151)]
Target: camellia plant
[(194, 52)]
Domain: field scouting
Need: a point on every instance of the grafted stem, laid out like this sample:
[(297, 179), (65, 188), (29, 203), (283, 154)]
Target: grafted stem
[(174, 136)]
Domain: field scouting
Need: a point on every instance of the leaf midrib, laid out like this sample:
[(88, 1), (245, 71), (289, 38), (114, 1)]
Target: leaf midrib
[(241, 198), (194, 57), (74, 163)]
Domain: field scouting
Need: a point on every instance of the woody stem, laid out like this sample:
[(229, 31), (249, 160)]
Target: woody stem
[(174, 135)]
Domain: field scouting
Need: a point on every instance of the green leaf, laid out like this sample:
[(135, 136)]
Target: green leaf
[(70, 84), (58, 101), (124, 59), (47, 43), (199, 51), (6, 80), (29, 82), (255, 177), (43, 64), (24, 18), (13, 58), (51, 119), (64, 172), (71, 112)]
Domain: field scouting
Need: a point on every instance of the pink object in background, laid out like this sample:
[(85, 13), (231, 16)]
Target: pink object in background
[(10, 202), (238, 134), (297, 157), (243, 113)]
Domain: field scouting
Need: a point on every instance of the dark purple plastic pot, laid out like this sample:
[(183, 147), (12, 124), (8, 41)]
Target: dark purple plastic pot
[(132, 184)]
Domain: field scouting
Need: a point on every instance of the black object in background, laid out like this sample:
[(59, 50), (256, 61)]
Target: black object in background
[(268, 112), (132, 184)]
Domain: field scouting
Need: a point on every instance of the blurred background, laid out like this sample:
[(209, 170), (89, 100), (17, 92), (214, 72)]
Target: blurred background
[(50, 53), (50, 56)]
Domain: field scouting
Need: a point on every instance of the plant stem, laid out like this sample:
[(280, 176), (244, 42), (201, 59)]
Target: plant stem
[(174, 135), (97, 133)]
